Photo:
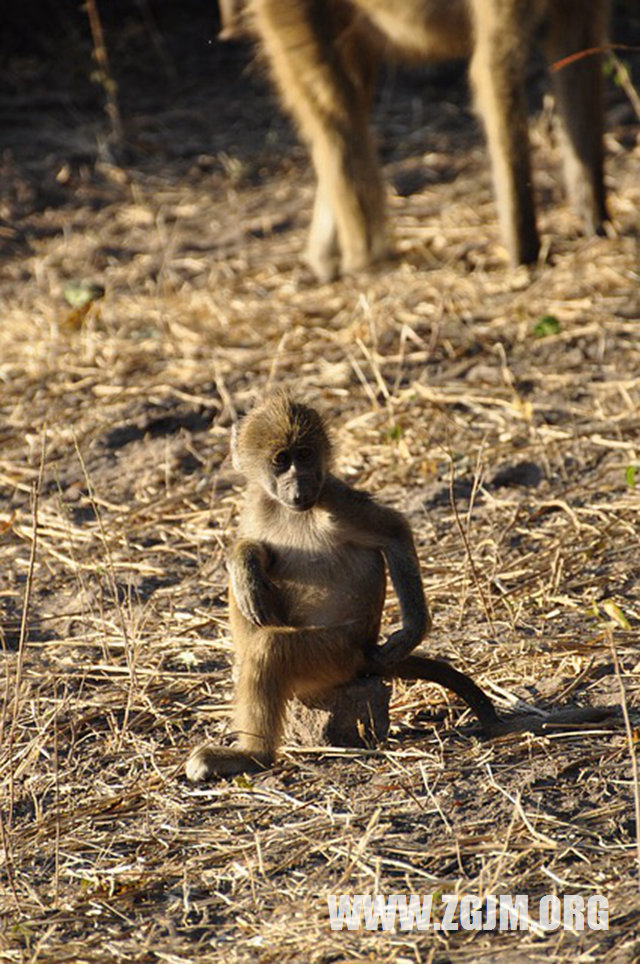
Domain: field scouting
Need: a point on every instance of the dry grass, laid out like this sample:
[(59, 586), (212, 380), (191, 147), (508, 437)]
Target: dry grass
[(118, 505)]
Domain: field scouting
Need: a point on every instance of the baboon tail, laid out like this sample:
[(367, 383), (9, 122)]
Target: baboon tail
[(437, 671)]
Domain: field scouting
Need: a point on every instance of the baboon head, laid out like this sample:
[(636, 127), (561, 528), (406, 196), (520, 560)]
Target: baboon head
[(284, 447)]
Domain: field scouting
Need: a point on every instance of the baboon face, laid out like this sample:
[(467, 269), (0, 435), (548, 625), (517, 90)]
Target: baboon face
[(296, 477), (285, 448)]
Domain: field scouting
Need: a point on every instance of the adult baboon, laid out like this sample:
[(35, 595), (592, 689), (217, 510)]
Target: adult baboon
[(324, 56)]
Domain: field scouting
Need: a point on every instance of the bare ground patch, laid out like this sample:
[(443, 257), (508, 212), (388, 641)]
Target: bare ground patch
[(117, 505)]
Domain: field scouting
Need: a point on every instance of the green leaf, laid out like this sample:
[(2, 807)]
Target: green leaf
[(630, 474), (395, 433), (243, 781), (615, 614), (548, 325), (81, 293)]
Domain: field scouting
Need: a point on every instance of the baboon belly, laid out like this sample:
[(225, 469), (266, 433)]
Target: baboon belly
[(336, 588), (422, 28)]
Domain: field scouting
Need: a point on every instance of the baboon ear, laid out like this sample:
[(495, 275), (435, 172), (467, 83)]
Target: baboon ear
[(235, 454)]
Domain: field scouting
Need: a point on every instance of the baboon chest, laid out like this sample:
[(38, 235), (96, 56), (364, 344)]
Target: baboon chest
[(331, 586)]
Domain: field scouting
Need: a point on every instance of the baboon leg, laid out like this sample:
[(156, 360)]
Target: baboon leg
[(502, 33), (325, 72), (276, 664), (258, 719), (260, 704), (576, 25)]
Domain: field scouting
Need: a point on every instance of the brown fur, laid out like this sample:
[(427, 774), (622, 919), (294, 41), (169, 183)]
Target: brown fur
[(233, 24), (324, 56), (307, 588), (307, 585)]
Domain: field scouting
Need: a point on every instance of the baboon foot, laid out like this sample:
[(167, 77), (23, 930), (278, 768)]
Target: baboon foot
[(210, 761)]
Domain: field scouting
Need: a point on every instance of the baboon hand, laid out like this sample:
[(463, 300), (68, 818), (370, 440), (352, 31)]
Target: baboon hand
[(257, 599), (398, 645)]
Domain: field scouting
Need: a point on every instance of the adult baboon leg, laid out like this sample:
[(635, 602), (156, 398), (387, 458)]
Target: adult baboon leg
[(320, 66), (502, 34), (576, 25)]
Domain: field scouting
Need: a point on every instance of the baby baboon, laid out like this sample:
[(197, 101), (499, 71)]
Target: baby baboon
[(324, 56), (307, 588)]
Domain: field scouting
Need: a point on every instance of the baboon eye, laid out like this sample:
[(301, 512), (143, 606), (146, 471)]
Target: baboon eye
[(282, 461), (304, 453)]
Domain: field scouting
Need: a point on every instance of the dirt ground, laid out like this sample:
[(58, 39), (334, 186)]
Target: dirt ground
[(498, 408)]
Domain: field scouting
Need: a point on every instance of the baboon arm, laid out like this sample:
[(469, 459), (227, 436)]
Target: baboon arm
[(404, 570), (256, 596), (363, 521)]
